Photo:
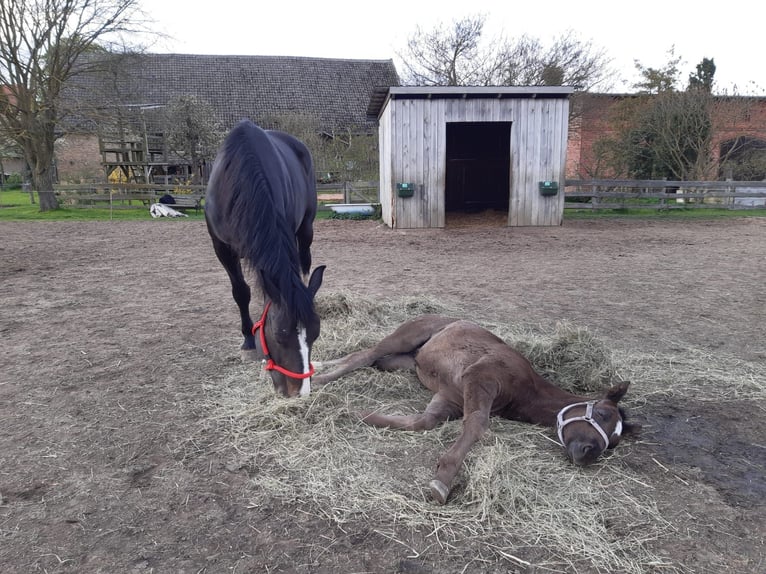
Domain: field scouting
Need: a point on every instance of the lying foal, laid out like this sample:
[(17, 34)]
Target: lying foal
[(474, 374)]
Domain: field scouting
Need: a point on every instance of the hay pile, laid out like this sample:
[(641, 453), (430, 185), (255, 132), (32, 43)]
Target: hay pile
[(517, 501)]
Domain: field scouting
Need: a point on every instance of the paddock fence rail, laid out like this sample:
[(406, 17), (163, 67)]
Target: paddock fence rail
[(135, 195), (125, 195), (629, 194), (347, 192), (582, 194)]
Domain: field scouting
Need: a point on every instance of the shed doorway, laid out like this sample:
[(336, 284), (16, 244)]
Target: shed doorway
[(478, 177)]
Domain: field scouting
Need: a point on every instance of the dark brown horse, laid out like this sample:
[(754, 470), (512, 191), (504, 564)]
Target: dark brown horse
[(474, 374), (259, 207)]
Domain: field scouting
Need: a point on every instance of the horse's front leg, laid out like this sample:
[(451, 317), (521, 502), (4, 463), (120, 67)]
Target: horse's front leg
[(240, 290)]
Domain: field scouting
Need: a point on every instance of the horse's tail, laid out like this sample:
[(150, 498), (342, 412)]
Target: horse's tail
[(255, 173)]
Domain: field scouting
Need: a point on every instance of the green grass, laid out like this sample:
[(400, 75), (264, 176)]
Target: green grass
[(678, 213), (15, 205)]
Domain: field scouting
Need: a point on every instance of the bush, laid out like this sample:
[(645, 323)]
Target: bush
[(13, 181)]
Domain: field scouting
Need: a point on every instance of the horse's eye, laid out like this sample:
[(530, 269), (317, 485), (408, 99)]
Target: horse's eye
[(603, 414)]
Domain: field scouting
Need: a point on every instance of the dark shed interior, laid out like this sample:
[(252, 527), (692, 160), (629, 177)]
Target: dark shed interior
[(478, 166)]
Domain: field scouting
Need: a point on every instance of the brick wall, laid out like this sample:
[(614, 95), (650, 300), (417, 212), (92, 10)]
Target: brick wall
[(739, 117), (732, 117), (78, 159)]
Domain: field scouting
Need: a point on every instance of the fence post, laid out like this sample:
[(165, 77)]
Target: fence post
[(594, 198), (729, 201)]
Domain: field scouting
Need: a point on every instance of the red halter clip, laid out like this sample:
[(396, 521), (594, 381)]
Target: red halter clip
[(270, 364)]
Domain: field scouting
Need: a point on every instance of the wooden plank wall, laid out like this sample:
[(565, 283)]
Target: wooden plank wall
[(386, 190), (413, 150)]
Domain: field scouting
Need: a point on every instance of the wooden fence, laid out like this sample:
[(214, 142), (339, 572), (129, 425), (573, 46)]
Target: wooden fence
[(591, 194), (127, 195), (348, 192), (660, 194), (134, 195)]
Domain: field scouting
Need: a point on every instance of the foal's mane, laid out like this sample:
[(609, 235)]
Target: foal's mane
[(253, 168)]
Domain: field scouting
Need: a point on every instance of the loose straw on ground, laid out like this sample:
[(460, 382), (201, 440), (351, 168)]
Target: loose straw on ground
[(516, 500)]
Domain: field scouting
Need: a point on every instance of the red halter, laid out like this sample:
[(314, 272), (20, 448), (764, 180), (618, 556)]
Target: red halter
[(270, 364)]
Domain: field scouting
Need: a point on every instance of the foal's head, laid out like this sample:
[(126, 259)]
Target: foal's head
[(589, 428)]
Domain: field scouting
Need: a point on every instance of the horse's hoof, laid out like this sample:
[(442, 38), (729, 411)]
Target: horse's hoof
[(250, 356), (439, 491)]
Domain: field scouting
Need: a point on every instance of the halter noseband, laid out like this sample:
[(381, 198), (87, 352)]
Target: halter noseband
[(561, 422), (270, 364)]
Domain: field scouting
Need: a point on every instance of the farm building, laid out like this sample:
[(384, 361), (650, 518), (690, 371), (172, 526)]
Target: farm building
[(448, 149), (117, 107)]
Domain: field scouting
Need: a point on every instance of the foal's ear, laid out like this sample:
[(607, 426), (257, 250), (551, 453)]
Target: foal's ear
[(315, 281), (617, 392)]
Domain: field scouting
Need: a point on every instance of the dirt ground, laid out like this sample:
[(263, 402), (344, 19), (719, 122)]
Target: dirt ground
[(108, 329)]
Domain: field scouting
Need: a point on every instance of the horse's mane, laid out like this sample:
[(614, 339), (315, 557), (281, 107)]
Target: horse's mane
[(250, 167)]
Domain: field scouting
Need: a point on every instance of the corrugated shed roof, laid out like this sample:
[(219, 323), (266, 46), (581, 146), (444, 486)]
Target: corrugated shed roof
[(336, 91)]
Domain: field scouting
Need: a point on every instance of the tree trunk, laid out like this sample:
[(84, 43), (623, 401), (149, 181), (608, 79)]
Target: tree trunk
[(48, 200), (42, 181)]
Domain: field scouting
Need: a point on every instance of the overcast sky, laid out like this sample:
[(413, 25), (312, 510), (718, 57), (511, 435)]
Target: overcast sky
[(730, 32)]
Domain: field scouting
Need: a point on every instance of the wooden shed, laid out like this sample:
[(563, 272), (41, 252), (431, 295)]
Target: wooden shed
[(460, 149)]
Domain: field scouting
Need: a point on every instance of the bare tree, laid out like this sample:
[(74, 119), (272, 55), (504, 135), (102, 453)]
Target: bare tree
[(568, 61), (193, 132), (459, 55), (449, 55), (40, 43), (654, 136)]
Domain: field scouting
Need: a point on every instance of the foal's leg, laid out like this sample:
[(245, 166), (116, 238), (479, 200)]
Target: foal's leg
[(240, 290), (478, 397), (405, 340), (404, 362), (437, 411)]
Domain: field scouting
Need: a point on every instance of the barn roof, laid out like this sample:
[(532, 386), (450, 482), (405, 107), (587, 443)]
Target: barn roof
[(335, 91), (383, 95)]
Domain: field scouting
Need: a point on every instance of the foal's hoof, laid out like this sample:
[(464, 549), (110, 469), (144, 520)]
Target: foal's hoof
[(366, 417), (318, 380), (250, 356), (439, 491)]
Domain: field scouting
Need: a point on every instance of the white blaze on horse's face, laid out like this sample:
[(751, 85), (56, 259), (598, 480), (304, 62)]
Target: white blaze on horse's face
[(306, 385)]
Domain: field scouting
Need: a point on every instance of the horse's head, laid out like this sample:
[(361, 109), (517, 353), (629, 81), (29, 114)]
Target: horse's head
[(286, 342), (587, 429)]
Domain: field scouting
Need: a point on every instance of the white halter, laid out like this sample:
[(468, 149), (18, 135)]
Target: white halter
[(561, 422)]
